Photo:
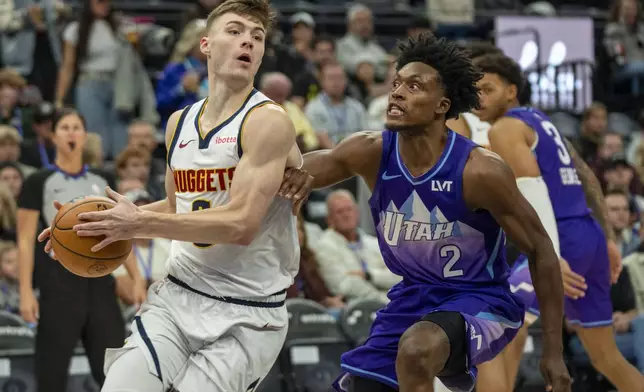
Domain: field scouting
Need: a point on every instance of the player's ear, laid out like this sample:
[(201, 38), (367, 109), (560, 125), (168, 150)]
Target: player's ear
[(204, 46), (443, 105), (513, 92)]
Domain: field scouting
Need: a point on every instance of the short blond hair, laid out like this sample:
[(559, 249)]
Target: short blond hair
[(93, 150), (257, 10), (131, 153), (8, 208), (9, 134)]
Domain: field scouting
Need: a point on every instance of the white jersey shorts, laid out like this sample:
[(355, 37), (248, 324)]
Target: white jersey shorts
[(195, 342)]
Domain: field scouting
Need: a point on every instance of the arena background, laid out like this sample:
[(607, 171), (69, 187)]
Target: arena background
[(574, 70)]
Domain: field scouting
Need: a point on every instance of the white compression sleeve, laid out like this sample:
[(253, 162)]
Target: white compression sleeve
[(534, 189)]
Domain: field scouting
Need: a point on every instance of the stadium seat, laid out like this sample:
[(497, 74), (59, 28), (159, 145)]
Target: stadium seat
[(356, 319), (310, 358)]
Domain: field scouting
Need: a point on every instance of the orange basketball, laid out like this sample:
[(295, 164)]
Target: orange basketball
[(74, 252)]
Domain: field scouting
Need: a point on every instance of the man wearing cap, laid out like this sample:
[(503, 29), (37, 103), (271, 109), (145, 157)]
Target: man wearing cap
[(40, 152)]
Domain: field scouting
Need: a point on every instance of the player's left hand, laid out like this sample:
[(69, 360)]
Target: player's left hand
[(139, 292), (297, 186), (555, 372), (116, 224), (615, 258)]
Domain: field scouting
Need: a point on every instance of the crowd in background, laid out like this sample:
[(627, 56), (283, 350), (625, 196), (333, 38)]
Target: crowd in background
[(95, 60)]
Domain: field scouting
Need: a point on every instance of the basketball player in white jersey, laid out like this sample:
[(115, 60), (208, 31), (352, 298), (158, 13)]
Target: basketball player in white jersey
[(217, 322)]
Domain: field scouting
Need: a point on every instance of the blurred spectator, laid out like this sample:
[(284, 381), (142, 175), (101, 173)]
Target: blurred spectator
[(184, 80), (142, 135), (11, 176), (8, 211), (151, 256), (635, 266), (617, 204), (624, 42), (333, 114), (11, 87), (9, 290), (635, 143), (350, 260), (90, 61), (618, 173), (360, 40), (419, 25), (611, 144), (364, 79), (93, 153), (628, 325), (306, 84), (308, 283), (39, 151), (10, 148), (129, 185), (593, 124), (377, 110), (199, 10), (302, 35), (134, 163), (277, 87)]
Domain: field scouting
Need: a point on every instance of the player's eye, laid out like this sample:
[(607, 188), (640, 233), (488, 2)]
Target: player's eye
[(233, 32), (414, 86), (259, 38)]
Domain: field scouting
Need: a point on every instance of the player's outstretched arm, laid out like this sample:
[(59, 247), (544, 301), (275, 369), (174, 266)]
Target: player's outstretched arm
[(509, 139), (593, 191), (357, 155), (267, 138), (489, 184)]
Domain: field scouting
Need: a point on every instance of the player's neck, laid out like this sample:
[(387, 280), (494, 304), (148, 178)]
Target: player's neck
[(224, 99), (69, 164), (421, 150)]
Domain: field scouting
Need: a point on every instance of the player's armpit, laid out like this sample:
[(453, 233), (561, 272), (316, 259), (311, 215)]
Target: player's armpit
[(592, 190), (357, 155), (509, 138), (488, 184), (267, 138)]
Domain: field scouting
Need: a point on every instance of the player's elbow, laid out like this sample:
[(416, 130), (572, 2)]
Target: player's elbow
[(244, 230)]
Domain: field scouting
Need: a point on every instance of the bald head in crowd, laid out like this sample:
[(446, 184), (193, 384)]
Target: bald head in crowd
[(343, 214), (276, 86)]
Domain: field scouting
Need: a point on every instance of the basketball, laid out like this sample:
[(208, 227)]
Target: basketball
[(74, 252)]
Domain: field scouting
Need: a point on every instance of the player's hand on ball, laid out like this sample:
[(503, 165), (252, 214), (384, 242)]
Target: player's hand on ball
[(555, 372), (296, 185), (116, 224), (615, 259), (574, 284), (45, 234)]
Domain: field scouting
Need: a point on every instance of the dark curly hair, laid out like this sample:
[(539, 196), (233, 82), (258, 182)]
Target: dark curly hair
[(457, 74), (505, 67)]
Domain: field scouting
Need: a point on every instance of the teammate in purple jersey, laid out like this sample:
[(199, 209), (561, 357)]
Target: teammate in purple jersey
[(561, 188), (441, 206)]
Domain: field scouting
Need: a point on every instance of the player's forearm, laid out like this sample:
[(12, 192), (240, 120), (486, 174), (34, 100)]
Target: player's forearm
[(222, 225), (132, 268), (161, 206), (324, 170), (546, 277)]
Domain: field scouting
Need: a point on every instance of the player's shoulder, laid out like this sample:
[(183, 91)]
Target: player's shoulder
[(268, 118), (484, 165)]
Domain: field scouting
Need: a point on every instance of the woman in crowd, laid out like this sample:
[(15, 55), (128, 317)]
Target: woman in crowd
[(9, 293), (8, 211), (11, 175)]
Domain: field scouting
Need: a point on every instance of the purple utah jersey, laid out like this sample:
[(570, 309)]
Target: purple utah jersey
[(557, 169), (452, 259)]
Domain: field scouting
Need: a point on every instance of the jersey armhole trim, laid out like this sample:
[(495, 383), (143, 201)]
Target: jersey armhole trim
[(176, 133), (258, 105)]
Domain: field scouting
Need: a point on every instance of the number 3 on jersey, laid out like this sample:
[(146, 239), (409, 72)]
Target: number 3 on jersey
[(197, 205), (562, 151)]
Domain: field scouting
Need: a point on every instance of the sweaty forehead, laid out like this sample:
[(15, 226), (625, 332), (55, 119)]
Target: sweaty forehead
[(420, 71)]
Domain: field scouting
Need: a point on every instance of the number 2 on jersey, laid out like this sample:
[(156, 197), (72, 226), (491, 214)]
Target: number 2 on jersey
[(562, 151), (197, 205), (454, 255)]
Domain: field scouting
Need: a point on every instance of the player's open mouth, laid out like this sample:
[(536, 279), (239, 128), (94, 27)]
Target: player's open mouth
[(244, 58), (394, 110)]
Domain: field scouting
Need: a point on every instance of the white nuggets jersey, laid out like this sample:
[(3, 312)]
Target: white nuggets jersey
[(203, 165), (478, 129)]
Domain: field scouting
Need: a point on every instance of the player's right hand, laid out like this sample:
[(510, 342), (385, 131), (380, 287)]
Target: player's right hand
[(45, 234), (574, 284), (29, 308)]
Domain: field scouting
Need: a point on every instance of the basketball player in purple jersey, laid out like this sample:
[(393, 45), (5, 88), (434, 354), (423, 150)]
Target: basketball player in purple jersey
[(560, 187), (442, 207)]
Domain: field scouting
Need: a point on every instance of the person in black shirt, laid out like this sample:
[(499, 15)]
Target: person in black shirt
[(306, 85), (40, 152), (70, 308)]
